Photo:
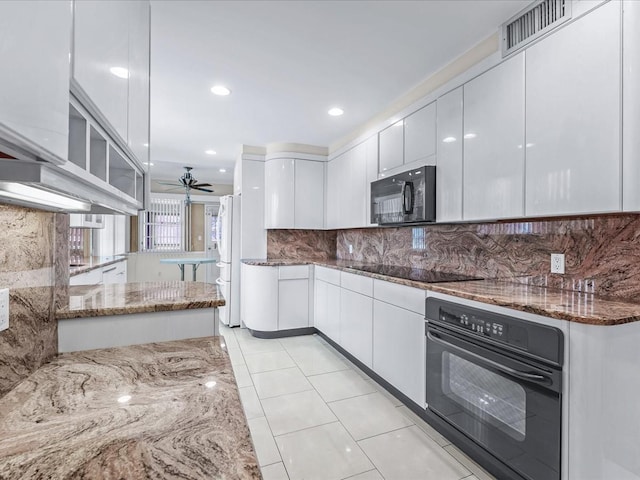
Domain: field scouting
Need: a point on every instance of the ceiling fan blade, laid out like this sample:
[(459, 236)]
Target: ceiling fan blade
[(169, 183), (202, 189), (202, 185)]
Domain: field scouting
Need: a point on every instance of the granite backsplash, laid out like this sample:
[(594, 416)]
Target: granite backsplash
[(307, 244), (34, 265), (602, 253)]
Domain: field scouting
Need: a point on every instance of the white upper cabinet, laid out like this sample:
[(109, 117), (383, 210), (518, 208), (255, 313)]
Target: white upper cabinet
[(111, 67), (34, 88), (449, 171), (371, 161), (139, 56), (354, 205), (631, 111), (420, 136), (573, 117), (279, 193), (334, 169), (347, 188), (392, 147), (309, 194), (101, 56), (494, 143), (294, 193)]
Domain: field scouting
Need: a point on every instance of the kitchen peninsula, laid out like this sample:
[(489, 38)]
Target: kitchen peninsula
[(100, 316)]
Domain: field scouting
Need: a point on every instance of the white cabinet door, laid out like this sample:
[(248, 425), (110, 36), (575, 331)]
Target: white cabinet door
[(320, 304), (449, 171), (92, 277), (309, 194), (356, 329), (333, 313), (259, 297), (101, 43), (138, 121), (354, 195), (631, 110), (391, 147), (371, 161), (279, 193), (34, 88), (573, 118), (494, 143), (253, 237), (334, 169), (420, 136), (399, 349), (293, 304)]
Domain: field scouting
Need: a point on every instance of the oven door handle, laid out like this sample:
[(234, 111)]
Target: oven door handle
[(532, 377)]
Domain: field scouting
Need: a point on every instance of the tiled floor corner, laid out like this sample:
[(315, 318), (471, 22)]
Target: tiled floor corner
[(314, 415)]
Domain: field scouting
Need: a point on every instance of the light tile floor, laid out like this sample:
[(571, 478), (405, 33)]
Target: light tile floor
[(314, 415)]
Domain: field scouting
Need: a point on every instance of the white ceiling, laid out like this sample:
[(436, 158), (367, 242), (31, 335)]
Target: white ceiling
[(287, 63)]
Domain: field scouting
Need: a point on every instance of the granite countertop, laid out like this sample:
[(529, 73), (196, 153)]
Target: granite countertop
[(513, 293), (80, 265), (158, 410), (125, 298)]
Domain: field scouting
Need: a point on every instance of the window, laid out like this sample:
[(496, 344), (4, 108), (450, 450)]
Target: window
[(161, 226)]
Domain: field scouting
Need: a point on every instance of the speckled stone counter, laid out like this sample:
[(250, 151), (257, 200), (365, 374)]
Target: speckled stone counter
[(126, 298), (513, 293), (160, 410), (569, 305), (86, 264)]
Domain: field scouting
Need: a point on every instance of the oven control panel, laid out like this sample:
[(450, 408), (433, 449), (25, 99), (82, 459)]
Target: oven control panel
[(478, 325), (543, 341)]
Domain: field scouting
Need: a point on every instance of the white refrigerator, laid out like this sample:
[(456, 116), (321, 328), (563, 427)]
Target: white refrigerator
[(228, 236)]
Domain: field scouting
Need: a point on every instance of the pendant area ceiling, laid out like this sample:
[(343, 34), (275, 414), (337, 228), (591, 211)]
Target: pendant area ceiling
[(287, 63)]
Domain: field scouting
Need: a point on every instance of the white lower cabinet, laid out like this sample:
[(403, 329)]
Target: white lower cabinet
[(114, 273), (399, 347), (275, 298), (380, 323), (356, 330), (293, 303)]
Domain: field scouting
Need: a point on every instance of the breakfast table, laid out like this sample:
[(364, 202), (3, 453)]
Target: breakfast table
[(194, 262)]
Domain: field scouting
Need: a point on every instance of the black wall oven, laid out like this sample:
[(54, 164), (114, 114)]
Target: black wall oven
[(496, 381)]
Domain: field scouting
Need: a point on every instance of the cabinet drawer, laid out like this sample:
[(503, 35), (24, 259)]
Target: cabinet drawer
[(328, 275), (293, 272), (357, 283), (401, 296)]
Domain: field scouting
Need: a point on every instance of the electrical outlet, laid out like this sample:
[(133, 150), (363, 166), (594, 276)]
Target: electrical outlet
[(350, 248), (557, 263), (4, 309)]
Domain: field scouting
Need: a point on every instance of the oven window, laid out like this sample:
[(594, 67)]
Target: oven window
[(487, 395)]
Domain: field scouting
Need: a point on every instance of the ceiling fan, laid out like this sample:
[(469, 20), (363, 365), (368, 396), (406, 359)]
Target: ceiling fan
[(189, 182)]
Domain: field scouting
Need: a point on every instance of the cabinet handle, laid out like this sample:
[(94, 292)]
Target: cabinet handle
[(110, 270)]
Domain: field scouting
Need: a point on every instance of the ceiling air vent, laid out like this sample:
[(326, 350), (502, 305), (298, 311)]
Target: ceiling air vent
[(536, 20)]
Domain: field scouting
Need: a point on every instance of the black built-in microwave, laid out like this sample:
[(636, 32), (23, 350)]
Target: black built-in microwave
[(405, 198)]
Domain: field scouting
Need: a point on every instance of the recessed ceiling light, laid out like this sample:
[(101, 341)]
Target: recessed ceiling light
[(335, 112), (151, 164), (220, 90), (470, 135), (210, 152), (124, 398), (119, 72), (223, 170), (449, 139), (145, 144)]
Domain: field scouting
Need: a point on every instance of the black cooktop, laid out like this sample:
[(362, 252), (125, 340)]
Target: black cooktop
[(416, 274)]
